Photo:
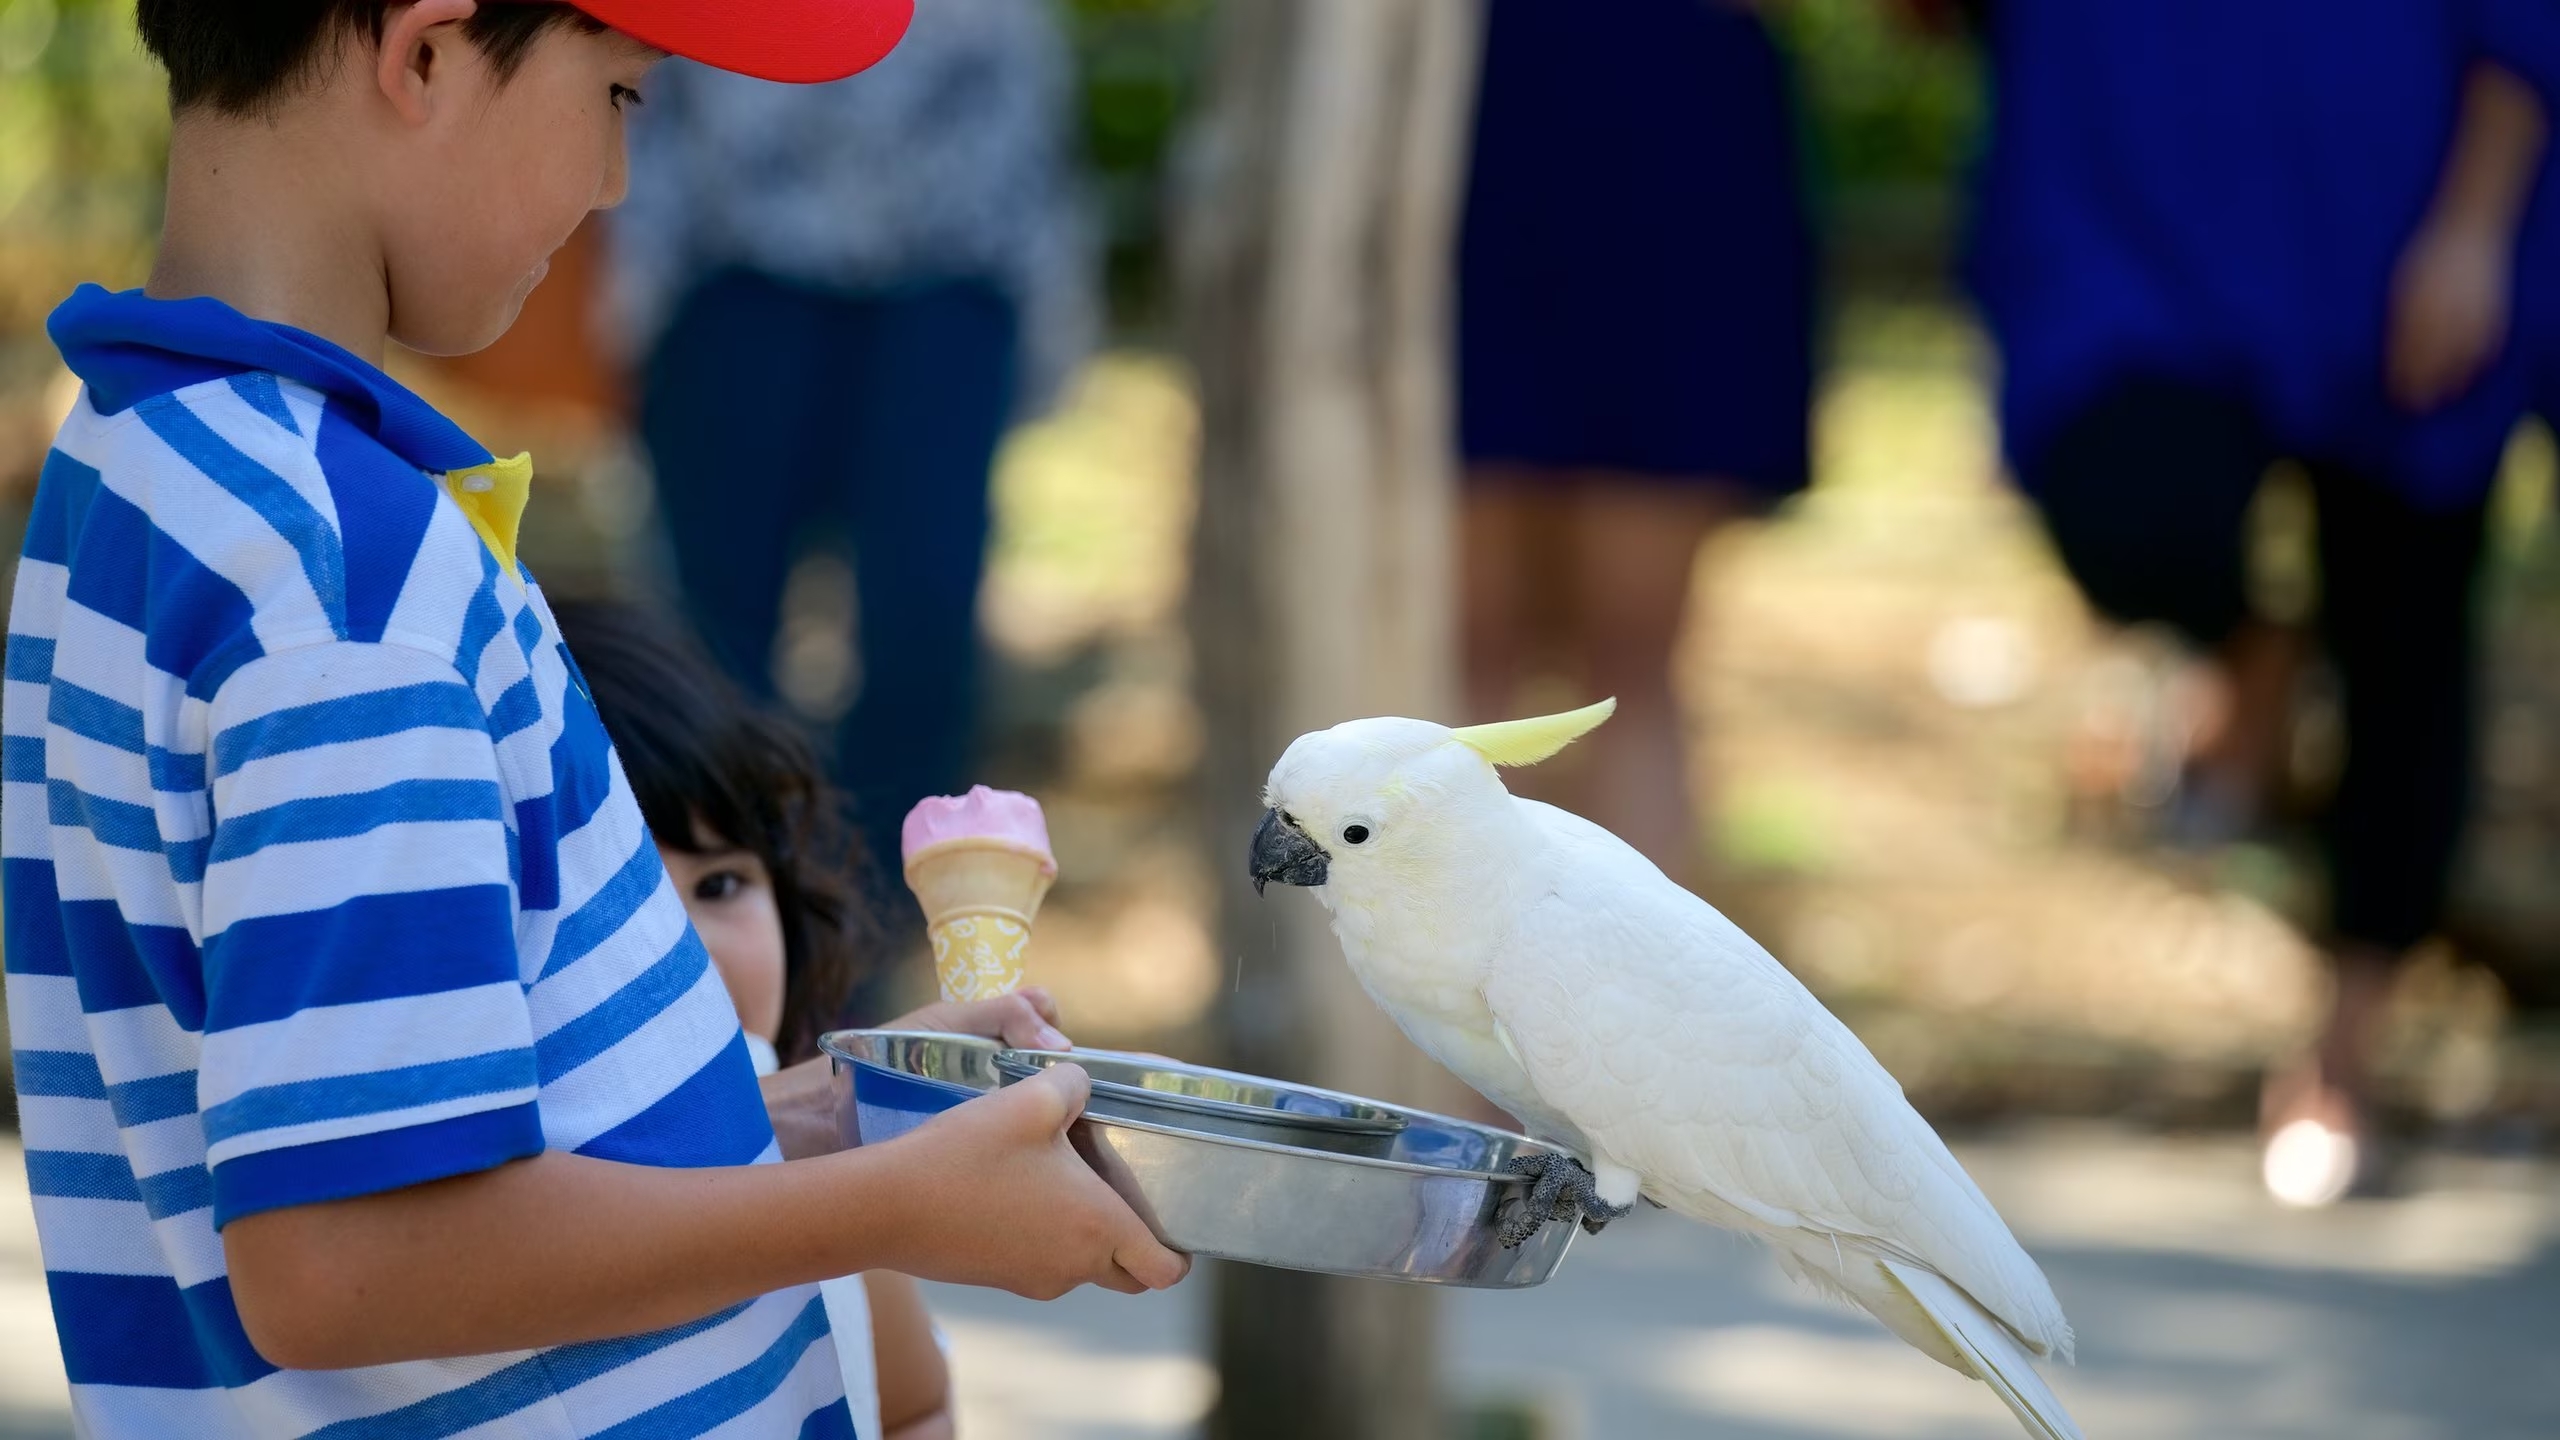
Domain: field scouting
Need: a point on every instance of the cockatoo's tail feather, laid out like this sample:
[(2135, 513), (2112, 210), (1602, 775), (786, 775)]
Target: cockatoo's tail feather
[(1988, 1349), (1526, 742)]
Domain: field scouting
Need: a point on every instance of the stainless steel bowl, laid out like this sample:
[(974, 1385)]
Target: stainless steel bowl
[(1238, 1167)]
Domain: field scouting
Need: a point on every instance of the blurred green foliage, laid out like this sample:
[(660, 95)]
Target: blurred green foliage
[(1140, 62), (83, 138), (1888, 106), (1888, 102)]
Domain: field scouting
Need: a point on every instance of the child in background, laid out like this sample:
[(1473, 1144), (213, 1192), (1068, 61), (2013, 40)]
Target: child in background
[(752, 834)]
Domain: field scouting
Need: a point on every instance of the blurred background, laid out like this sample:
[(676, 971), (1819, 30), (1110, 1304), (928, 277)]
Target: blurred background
[(1981, 818)]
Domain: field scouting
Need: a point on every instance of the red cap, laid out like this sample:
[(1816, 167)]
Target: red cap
[(800, 41)]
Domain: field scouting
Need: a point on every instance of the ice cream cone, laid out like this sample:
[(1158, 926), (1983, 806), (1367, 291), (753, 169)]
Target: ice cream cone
[(980, 865)]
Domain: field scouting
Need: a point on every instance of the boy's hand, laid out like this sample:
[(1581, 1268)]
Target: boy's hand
[(1026, 1019), (801, 1099), (1012, 1205)]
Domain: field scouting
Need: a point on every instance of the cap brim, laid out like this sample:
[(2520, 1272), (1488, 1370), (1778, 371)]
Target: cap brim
[(796, 41)]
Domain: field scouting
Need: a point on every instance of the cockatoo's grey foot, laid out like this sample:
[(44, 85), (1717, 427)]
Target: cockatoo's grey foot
[(1561, 1188)]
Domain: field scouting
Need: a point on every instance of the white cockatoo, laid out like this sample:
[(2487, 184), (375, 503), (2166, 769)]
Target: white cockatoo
[(1559, 972)]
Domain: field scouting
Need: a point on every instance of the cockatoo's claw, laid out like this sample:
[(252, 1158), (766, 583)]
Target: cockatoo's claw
[(1562, 1189), (1517, 1223), (1594, 1224)]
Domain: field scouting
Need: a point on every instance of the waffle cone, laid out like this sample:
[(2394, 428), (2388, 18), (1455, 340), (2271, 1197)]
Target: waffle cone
[(980, 897)]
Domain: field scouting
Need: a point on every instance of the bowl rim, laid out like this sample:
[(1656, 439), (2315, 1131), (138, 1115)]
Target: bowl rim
[(1382, 1119), (1406, 1167)]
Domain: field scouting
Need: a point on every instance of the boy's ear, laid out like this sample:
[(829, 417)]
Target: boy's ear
[(418, 47)]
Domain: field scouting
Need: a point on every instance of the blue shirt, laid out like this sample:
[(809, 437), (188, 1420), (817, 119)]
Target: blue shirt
[(322, 880), (2219, 193)]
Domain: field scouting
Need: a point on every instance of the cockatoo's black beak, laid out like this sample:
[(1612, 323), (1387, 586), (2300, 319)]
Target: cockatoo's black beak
[(1282, 852)]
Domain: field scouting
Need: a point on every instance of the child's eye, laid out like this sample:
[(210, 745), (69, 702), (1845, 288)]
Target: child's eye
[(622, 93), (719, 885)]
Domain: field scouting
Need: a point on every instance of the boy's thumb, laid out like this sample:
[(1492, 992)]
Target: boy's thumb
[(1061, 1090)]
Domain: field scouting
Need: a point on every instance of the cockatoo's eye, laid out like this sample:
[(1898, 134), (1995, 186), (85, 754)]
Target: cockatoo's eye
[(1355, 834)]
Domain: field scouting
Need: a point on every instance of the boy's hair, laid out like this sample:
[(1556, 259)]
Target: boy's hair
[(693, 746), (241, 56)]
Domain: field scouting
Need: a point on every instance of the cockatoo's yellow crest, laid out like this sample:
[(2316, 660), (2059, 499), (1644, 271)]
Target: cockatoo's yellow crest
[(1526, 742)]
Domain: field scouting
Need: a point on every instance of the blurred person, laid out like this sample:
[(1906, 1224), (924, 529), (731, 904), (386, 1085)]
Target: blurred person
[(2214, 237), (1634, 361), (748, 827), (845, 293)]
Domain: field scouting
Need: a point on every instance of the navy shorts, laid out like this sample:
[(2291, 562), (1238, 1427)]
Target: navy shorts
[(2146, 495)]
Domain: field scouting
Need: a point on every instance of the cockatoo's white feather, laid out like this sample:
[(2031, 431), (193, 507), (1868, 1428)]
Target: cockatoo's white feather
[(1551, 966)]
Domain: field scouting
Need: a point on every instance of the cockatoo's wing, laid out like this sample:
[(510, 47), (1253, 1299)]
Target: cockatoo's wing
[(1687, 1054)]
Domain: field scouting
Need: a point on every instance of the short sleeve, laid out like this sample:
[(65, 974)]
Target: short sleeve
[(365, 1027)]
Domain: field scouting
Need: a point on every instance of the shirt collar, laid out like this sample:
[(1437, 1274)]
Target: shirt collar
[(492, 498), (127, 347)]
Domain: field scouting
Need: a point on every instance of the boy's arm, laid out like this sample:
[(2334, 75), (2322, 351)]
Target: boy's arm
[(370, 1080), (561, 1248), (2453, 292)]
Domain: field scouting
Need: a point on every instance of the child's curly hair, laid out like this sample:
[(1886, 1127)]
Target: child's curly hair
[(694, 748)]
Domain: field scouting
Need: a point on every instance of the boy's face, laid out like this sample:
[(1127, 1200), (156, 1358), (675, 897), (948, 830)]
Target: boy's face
[(503, 172)]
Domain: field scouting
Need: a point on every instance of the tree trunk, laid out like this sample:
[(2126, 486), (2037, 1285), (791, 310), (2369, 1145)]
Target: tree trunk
[(1315, 244)]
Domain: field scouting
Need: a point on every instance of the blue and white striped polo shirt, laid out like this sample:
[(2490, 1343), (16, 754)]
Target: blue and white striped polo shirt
[(323, 880)]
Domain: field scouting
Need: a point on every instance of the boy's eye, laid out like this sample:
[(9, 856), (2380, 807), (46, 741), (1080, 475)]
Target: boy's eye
[(719, 885), (622, 94)]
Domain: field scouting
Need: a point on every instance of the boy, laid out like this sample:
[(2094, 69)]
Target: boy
[(356, 1021)]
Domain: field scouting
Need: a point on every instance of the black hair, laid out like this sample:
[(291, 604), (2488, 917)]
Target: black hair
[(694, 747), (241, 56)]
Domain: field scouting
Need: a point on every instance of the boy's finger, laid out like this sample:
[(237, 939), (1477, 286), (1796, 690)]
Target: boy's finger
[(1042, 1020), (1144, 1257), (1043, 1105), (1062, 1089), (1151, 1264), (1020, 1020), (1121, 1280)]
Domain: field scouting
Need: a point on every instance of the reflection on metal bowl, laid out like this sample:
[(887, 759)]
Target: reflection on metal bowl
[(1237, 1167), (1216, 1103)]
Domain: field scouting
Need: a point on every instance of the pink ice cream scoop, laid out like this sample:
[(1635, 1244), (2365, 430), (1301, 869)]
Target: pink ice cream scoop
[(982, 814), (980, 865)]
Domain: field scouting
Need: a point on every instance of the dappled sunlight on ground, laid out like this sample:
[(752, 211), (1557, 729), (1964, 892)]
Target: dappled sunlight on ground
[(1041, 1382), (1094, 512), (2457, 1218)]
